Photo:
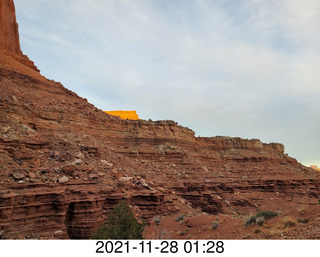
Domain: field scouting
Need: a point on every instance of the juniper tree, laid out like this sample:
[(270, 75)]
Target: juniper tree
[(120, 224)]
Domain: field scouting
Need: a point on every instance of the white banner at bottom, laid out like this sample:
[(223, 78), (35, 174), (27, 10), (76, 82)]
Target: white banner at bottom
[(100, 248)]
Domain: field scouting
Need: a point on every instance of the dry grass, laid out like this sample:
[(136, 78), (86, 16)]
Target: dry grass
[(302, 210), (288, 222), (275, 232)]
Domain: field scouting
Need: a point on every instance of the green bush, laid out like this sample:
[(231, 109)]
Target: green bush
[(251, 220), (120, 224), (267, 214), (260, 217)]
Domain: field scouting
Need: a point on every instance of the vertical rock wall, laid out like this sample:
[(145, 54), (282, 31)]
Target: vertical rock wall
[(9, 36)]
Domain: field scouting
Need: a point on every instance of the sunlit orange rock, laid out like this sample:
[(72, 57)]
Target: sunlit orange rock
[(315, 167), (126, 115)]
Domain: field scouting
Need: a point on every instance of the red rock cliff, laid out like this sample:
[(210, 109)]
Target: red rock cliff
[(64, 164), (11, 56), (9, 36)]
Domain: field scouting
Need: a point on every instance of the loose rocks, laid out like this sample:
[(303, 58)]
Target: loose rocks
[(64, 179)]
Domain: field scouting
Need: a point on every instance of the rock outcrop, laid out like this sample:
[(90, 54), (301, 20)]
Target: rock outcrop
[(315, 167), (64, 163), (126, 115), (11, 56), (9, 35), (226, 143), (73, 210)]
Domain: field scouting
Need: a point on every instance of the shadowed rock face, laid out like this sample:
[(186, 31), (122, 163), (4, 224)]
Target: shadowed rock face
[(9, 36), (64, 163)]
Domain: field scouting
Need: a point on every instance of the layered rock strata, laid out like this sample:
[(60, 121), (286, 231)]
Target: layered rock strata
[(64, 163), (73, 210)]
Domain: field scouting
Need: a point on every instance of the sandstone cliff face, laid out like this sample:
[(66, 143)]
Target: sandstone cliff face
[(73, 210), (11, 56), (9, 36), (64, 164), (225, 143)]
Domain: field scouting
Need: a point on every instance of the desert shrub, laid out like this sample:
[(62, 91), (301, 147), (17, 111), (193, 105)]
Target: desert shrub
[(260, 220), (180, 218), (120, 224), (303, 221), (267, 214), (183, 232), (157, 220), (251, 220), (288, 222), (260, 217), (215, 225)]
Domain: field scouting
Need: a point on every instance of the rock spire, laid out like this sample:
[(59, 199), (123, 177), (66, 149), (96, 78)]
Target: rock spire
[(9, 35)]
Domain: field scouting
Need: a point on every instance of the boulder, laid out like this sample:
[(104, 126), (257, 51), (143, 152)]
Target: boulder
[(106, 163), (69, 168), (125, 182), (45, 170), (143, 183), (64, 179), (78, 161), (18, 175), (32, 175), (93, 176), (116, 174), (79, 155), (56, 155)]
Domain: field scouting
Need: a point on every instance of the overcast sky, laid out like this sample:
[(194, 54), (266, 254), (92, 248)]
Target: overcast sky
[(247, 68)]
